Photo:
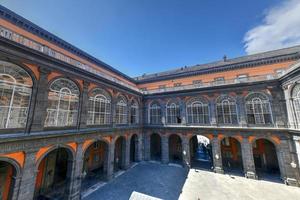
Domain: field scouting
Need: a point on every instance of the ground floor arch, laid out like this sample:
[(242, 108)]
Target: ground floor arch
[(134, 148), (54, 175), (201, 152), (265, 158), (232, 160), (95, 162), (7, 180), (155, 147), (175, 149), (120, 153)]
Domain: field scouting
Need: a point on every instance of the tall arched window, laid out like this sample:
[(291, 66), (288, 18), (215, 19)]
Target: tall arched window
[(258, 109), (226, 110), (134, 111), (296, 101), (15, 92), (62, 103), (197, 112), (121, 111), (173, 113), (155, 114), (99, 110)]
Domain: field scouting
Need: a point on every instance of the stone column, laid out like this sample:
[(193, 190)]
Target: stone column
[(183, 112), (165, 149), (297, 148), (212, 112), (127, 153), (15, 191), (41, 102), (27, 185), (217, 155), (288, 163), (278, 109), (83, 111), (147, 148), (163, 114), (139, 148), (76, 176), (241, 110), (248, 160), (113, 110), (110, 161), (186, 152)]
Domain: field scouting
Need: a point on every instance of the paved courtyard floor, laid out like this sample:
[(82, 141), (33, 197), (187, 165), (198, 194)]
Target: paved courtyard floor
[(172, 183)]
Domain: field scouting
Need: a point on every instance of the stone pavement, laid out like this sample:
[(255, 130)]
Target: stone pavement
[(204, 185), (171, 182)]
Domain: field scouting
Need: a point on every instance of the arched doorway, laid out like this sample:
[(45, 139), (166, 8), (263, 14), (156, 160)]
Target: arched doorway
[(95, 160), (54, 172), (265, 158), (119, 161), (201, 152), (7, 182), (175, 149), (134, 148), (231, 155), (155, 147)]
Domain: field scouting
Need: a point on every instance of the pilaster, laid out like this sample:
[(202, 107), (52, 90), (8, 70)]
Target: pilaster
[(217, 156), (165, 149), (248, 160), (27, 185), (83, 112), (41, 101)]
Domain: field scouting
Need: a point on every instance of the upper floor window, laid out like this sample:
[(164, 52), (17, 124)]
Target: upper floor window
[(15, 92), (219, 81), (258, 109), (155, 114), (242, 78), (173, 114), (197, 82), (198, 112), (226, 110), (63, 98), (162, 86), (134, 110), (121, 111), (280, 72), (177, 84), (99, 110), (296, 101)]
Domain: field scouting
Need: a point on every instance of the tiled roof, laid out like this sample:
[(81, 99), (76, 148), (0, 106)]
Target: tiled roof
[(255, 59)]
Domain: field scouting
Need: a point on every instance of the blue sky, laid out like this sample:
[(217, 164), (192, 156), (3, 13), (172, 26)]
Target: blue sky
[(147, 36)]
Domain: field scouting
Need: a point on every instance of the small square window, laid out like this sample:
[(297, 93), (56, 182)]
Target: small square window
[(219, 80), (280, 72), (197, 82), (177, 84), (242, 78), (162, 86)]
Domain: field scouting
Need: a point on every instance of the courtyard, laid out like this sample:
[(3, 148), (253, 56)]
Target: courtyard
[(174, 182)]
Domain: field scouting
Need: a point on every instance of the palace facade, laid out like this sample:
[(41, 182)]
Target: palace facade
[(68, 120)]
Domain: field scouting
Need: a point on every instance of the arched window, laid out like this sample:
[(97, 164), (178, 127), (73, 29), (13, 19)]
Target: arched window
[(99, 110), (197, 112), (155, 114), (173, 113), (134, 110), (62, 103), (121, 111), (296, 101), (226, 110), (258, 109), (15, 92)]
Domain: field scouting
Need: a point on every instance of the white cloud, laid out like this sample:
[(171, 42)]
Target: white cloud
[(280, 28)]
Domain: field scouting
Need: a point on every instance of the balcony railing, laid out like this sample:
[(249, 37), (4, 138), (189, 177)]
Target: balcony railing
[(249, 79)]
